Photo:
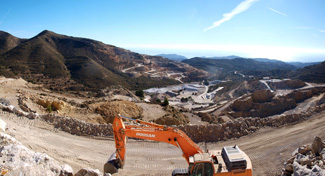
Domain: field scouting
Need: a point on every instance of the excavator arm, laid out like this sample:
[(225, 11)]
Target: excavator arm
[(149, 131)]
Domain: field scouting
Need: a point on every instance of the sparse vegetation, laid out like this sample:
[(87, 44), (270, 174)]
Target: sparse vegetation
[(139, 93), (166, 102), (49, 108)]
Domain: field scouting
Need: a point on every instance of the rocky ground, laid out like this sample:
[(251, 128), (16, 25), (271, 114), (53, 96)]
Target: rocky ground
[(268, 139), (307, 160), (152, 158)]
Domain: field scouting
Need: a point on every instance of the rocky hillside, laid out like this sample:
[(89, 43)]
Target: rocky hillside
[(313, 73), (8, 41), (64, 62), (225, 67)]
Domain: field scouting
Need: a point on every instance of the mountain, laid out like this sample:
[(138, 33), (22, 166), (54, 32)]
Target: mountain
[(81, 63), (174, 57), (8, 41), (222, 57), (244, 66), (302, 64), (312, 73)]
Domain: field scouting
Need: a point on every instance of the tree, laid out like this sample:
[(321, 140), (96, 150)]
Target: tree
[(166, 102), (206, 82), (139, 93)]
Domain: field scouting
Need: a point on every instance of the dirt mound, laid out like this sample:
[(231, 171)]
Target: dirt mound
[(8, 82), (173, 117), (51, 105), (111, 109)]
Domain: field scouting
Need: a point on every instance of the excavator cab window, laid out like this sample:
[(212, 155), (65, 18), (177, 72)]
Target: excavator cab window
[(202, 169)]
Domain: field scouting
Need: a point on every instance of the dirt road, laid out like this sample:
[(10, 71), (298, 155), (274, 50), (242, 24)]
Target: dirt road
[(268, 147)]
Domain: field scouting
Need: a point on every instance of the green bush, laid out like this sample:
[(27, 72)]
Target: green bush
[(166, 102), (49, 108)]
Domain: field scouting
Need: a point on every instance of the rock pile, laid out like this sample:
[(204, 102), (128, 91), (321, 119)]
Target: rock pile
[(78, 127), (109, 110), (307, 160), (243, 126), (173, 117), (19, 160), (16, 159)]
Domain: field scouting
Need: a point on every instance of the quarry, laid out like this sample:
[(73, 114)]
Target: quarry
[(72, 134)]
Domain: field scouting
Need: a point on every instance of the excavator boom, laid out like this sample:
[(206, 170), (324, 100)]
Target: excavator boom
[(153, 132), (229, 161)]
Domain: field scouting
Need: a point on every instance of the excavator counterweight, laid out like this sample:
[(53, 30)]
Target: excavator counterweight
[(228, 161)]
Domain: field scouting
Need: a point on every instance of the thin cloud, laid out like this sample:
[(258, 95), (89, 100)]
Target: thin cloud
[(320, 30), (4, 17), (277, 12), (303, 27), (227, 16)]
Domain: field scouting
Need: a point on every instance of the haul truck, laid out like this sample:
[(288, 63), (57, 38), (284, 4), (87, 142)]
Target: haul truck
[(230, 161)]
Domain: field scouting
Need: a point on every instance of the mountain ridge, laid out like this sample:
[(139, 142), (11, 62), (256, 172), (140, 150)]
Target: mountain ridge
[(91, 63)]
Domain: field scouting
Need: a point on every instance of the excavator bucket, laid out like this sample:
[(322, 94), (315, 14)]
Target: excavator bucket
[(112, 165)]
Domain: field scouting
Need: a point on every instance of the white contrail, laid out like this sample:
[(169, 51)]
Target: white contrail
[(277, 12), (227, 16), (320, 30), (4, 17)]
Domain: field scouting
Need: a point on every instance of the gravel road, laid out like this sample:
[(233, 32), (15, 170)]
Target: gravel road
[(268, 147)]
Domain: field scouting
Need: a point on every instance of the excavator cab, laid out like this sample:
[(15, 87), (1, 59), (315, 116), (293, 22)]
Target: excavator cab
[(202, 169), (201, 164)]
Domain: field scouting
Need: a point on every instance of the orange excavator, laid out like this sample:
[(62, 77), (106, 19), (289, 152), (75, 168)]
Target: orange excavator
[(230, 161)]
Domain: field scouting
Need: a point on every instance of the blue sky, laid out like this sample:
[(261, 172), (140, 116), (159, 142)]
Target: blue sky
[(289, 30)]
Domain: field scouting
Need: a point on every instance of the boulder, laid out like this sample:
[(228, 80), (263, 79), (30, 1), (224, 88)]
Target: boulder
[(322, 153), (3, 126), (317, 171), (317, 145), (66, 170), (300, 170), (289, 168), (88, 172), (304, 149)]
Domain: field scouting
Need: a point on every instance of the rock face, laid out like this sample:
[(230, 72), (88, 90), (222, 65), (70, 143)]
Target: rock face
[(262, 103), (307, 160), (243, 104), (287, 84), (261, 96), (18, 159)]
